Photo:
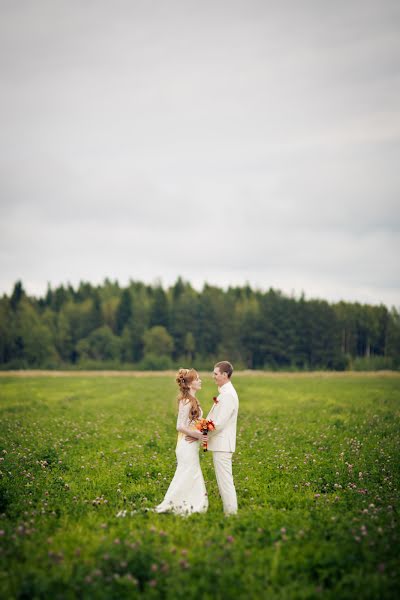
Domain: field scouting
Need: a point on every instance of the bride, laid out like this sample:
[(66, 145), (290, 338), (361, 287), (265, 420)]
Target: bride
[(187, 492)]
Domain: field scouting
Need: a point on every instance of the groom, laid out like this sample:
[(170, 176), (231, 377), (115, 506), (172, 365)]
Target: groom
[(222, 441)]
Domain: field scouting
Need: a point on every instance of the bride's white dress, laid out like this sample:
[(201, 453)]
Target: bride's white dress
[(187, 491)]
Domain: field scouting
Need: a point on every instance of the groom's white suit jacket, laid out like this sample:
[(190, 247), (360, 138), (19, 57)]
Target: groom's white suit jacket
[(224, 415)]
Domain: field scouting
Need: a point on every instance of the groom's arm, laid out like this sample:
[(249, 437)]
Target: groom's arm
[(225, 411)]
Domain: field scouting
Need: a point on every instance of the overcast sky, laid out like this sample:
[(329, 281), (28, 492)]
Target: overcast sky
[(224, 141)]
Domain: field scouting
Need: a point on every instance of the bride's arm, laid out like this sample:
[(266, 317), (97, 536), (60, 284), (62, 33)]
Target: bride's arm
[(183, 420), (193, 433)]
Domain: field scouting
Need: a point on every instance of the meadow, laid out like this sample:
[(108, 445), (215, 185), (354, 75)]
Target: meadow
[(83, 458)]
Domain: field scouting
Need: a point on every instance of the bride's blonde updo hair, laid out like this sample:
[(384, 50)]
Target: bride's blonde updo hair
[(184, 378)]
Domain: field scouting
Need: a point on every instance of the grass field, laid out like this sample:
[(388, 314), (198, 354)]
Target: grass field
[(316, 472)]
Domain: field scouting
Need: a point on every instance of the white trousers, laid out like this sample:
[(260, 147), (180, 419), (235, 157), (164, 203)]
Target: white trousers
[(223, 471)]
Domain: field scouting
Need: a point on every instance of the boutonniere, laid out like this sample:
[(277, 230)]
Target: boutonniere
[(215, 400)]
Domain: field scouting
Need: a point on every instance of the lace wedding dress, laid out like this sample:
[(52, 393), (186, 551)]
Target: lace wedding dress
[(187, 491)]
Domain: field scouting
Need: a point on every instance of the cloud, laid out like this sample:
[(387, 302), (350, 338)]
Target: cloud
[(228, 142)]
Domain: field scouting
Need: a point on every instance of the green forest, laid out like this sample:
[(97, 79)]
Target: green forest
[(150, 327)]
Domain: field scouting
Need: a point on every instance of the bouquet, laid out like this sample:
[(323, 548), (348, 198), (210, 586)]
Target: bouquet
[(205, 426)]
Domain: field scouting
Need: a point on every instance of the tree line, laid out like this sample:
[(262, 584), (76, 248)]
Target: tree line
[(149, 327)]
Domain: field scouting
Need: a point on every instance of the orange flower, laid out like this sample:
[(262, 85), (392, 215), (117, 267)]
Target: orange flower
[(201, 424), (204, 426)]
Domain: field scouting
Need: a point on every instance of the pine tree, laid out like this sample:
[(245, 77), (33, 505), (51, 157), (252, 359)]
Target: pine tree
[(124, 311), (159, 309), (17, 295)]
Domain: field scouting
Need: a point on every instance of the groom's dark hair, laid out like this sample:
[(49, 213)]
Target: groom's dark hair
[(225, 367)]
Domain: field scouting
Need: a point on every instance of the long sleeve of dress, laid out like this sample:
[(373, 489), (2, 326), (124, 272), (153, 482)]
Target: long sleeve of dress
[(183, 419)]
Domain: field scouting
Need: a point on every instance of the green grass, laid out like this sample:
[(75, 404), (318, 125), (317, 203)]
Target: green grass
[(316, 471)]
